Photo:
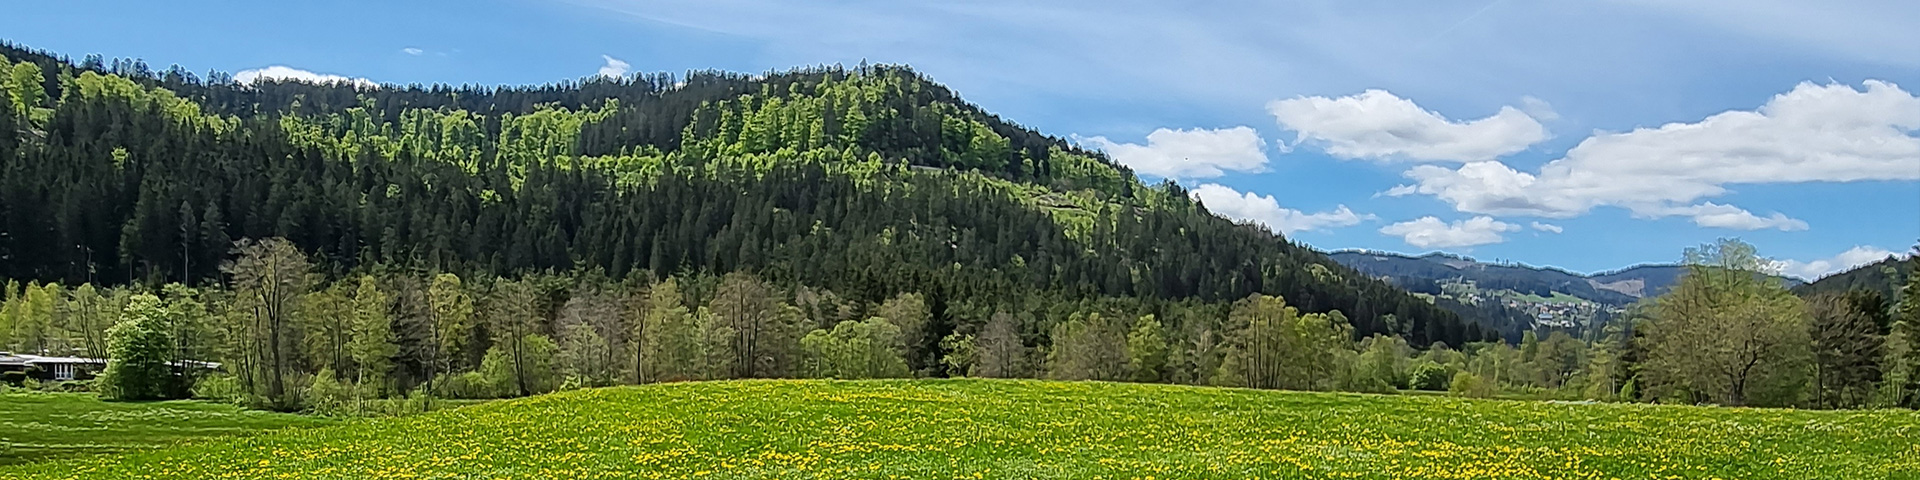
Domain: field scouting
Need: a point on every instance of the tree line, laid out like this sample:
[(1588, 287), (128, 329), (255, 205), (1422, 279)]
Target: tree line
[(869, 182), (291, 338)]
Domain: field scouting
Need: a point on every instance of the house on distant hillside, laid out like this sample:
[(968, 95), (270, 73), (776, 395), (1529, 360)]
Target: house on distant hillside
[(51, 368)]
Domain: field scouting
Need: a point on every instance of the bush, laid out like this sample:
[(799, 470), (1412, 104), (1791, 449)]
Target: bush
[(220, 388), (140, 346), (465, 385), (70, 386), (14, 378), (1426, 375), (1466, 384), (329, 396)]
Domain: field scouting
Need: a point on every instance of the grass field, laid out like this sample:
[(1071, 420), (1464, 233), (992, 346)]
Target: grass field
[(37, 427), (1032, 429)]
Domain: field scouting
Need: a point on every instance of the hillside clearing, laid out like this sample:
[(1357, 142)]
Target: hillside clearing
[(1036, 429)]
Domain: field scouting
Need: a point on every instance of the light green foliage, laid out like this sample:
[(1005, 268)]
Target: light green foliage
[(920, 429), (1466, 384), (529, 372), (591, 327), (1726, 334), (37, 317), (452, 310), (515, 318), (1146, 350), (139, 348), (1078, 172), (762, 328), (1426, 375), (87, 316), (93, 87), (11, 304), (854, 350), (1900, 385), (1382, 364), (373, 344), (1897, 383), (194, 334), (670, 350), (329, 396), (1089, 346), (715, 345), (1273, 346), (25, 89), (909, 314), (961, 354), (1555, 361), (327, 324)]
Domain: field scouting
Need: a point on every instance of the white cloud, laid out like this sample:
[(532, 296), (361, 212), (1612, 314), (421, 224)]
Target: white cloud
[(1814, 269), (1196, 153), (286, 73), (413, 51), (1430, 232), (614, 68), (1264, 210), (1378, 125), (1727, 216), (1814, 133), (1547, 227)]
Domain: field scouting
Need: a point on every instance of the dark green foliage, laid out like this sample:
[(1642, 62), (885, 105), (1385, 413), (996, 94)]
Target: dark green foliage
[(1884, 277), (867, 183)]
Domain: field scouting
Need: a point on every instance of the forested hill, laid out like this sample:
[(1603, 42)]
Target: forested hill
[(1883, 277), (866, 182)]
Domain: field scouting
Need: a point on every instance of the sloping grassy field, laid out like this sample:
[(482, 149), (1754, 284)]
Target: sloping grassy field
[(44, 426), (1032, 429)]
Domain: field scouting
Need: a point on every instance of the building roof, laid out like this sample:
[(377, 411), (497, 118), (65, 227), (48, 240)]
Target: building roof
[(25, 359), (31, 360)]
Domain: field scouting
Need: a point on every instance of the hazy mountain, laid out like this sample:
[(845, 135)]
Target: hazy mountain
[(1425, 273)]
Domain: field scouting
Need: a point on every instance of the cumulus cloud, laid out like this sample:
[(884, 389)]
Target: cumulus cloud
[(1547, 227), (1814, 269), (1196, 153), (1264, 210), (413, 51), (1431, 232), (1814, 133), (1727, 216), (284, 73), (1378, 125), (614, 68)]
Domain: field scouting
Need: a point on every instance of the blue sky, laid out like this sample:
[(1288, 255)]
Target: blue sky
[(1584, 134)]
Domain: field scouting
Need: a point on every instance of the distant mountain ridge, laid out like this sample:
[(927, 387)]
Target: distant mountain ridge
[(1423, 273), (1883, 277)]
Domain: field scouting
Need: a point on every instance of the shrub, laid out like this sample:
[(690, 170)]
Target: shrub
[(220, 388), (14, 378), (1426, 375), (329, 396), (1466, 384), (466, 385), (140, 346)]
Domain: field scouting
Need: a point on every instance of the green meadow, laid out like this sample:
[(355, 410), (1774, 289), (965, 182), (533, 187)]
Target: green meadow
[(1002, 429)]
